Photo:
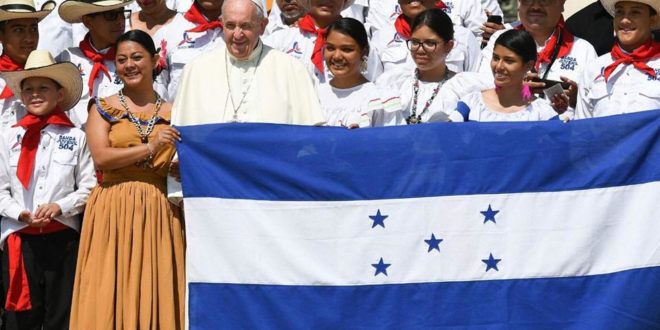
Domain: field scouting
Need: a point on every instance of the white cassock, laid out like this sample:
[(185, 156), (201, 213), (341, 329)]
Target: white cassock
[(627, 90), (269, 87)]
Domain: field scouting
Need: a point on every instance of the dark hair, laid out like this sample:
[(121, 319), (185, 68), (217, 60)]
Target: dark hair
[(142, 38), (352, 28), (438, 21), (519, 42)]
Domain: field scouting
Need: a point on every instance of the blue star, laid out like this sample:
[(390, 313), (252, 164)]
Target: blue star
[(381, 267), (379, 220), (489, 215), (491, 263), (434, 244)]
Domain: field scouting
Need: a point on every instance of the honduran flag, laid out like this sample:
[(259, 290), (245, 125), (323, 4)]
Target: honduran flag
[(544, 225)]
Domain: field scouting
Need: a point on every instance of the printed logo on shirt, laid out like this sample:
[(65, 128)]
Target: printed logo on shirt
[(450, 7), (657, 76), (116, 81), (397, 38), (396, 13), (82, 72), (187, 41), (568, 63), (67, 142), (18, 141), (295, 49)]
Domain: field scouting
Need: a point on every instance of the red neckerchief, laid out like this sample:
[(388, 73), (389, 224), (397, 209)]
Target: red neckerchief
[(567, 39), (194, 15), (306, 24), (33, 125), (637, 58), (18, 293), (6, 64), (403, 27), (96, 58)]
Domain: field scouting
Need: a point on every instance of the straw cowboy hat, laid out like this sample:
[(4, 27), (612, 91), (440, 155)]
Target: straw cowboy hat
[(308, 3), (72, 11), (655, 4), (40, 63), (17, 9)]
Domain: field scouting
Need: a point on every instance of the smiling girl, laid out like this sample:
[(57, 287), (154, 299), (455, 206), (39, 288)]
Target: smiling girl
[(513, 56), (350, 100)]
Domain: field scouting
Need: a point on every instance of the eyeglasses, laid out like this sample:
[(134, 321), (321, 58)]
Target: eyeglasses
[(112, 16), (428, 45), (541, 2)]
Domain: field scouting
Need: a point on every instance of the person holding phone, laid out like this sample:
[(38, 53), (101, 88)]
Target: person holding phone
[(561, 56), (511, 100), (627, 79)]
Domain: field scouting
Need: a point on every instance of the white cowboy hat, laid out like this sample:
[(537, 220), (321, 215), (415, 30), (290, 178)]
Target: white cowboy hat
[(655, 4), (17, 9), (72, 11), (308, 3), (40, 63)]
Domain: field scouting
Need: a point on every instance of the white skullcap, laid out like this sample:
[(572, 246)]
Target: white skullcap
[(262, 5)]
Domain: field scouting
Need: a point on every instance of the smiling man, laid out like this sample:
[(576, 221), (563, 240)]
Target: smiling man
[(627, 79), (561, 56), (285, 13)]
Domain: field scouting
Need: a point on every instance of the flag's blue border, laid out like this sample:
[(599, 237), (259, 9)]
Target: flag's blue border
[(302, 163)]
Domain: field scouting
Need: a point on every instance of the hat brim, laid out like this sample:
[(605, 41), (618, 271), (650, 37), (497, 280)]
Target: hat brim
[(65, 73), (610, 6), (9, 15), (72, 11)]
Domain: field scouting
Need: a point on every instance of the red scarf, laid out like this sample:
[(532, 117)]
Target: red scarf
[(306, 24), (18, 293), (567, 39), (6, 64), (194, 15), (637, 58), (97, 58), (33, 125), (403, 27)]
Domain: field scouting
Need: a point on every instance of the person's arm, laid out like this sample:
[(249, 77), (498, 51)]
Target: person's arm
[(9, 207), (108, 158)]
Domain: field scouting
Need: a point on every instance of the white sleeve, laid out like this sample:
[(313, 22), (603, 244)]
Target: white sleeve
[(473, 16), (583, 107), (9, 207), (473, 54)]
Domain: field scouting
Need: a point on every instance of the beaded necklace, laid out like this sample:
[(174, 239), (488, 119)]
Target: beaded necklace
[(414, 118), (143, 132)]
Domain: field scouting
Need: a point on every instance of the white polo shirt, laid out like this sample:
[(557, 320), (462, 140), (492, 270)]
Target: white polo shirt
[(63, 174), (627, 89)]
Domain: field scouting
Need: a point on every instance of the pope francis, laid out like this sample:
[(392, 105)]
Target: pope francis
[(246, 81)]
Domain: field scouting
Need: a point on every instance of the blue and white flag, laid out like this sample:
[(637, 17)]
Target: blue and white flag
[(539, 225)]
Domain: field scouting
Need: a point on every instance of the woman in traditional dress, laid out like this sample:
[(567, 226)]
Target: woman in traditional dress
[(511, 100), (349, 99), (130, 272)]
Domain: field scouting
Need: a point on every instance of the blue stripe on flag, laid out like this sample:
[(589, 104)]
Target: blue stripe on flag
[(281, 162), (625, 300)]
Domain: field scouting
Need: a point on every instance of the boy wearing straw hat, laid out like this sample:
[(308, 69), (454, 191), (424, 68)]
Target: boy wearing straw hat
[(19, 36), (46, 175), (94, 56), (627, 79)]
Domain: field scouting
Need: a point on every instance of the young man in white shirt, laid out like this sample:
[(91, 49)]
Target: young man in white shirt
[(46, 175), (627, 79), (95, 54)]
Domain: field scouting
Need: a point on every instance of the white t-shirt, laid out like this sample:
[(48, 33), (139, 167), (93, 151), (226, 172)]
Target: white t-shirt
[(627, 89), (474, 108), (363, 105), (467, 13)]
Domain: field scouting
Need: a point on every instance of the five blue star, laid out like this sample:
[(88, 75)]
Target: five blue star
[(491, 263), (379, 220), (381, 267), (434, 244), (489, 215)]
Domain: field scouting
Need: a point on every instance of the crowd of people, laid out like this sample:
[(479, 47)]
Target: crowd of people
[(92, 233)]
